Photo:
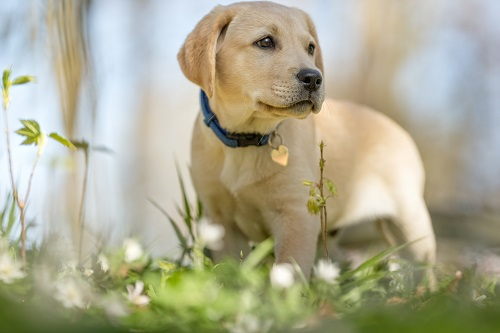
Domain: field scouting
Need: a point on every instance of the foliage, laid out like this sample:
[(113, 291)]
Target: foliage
[(124, 289), (317, 198), (33, 135)]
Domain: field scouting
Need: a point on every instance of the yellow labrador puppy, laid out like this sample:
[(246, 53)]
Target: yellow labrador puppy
[(260, 69)]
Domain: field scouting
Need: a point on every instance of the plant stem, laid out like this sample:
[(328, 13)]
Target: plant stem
[(81, 215), (20, 204), (35, 164), (321, 193), (11, 169), (23, 233)]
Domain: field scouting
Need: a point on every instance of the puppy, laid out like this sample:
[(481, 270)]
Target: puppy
[(260, 68)]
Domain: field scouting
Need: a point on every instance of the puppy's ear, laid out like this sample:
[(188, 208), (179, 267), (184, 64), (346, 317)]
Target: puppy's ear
[(318, 61), (197, 56)]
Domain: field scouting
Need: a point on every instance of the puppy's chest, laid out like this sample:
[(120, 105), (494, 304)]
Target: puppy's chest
[(244, 167), (245, 174)]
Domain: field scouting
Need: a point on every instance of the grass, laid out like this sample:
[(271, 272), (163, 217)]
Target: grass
[(236, 296)]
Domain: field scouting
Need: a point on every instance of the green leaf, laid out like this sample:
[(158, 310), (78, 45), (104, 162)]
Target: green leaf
[(187, 207), (308, 182), (7, 216), (257, 256), (376, 259), (178, 232), (32, 125), (312, 206), (85, 146), (23, 79), (31, 131), (62, 140), (331, 187), (82, 144), (6, 77)]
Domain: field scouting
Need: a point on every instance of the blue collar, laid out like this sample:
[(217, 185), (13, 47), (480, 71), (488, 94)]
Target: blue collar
[(233, 140)]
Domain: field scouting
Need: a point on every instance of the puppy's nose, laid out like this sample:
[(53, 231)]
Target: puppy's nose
[(310, 78)]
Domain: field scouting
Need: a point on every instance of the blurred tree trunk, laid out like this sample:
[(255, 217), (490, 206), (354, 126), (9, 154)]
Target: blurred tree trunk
[(67, 22)]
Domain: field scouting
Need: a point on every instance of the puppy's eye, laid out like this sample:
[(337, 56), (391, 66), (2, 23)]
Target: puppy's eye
[(265, 43), (310, 49)]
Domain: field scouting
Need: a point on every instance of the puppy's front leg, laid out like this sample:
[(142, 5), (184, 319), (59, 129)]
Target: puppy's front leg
[(296, 236)]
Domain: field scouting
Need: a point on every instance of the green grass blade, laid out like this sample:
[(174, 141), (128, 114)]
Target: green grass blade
[(257, 256), (375, 260), (12, 215), (199, 209), (188, 218), (3, 213), (178, 232)]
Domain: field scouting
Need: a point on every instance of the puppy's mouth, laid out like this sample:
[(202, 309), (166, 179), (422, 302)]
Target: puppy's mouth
[(300, 109)]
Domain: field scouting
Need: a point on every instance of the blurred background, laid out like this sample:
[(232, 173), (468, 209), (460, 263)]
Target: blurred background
[(107, 72)]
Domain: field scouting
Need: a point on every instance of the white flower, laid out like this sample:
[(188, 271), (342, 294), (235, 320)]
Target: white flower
[(88, 272), (327, 271), (133, 250), (210, 235), (394, 266), (10, 269), (70, 294), (282, 276), (135, 294), (103, 262)]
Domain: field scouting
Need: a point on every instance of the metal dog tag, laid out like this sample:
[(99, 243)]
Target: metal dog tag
[(279, 154)]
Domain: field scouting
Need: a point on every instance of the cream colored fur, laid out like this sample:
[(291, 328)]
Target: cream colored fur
[(372, 161)]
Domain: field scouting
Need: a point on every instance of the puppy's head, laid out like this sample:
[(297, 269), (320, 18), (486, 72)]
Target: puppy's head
[(262, 54)]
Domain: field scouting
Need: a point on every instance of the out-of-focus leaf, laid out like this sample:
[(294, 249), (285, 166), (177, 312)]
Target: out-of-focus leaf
[(312, 206), (31, 131), (5, 78), (187, 207), (23, 79), (178, 232), (82, 144), (307, 183), (257, 256), (62, 140), (331, 187)]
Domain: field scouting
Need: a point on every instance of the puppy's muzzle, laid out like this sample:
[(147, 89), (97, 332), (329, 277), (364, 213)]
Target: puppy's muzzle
[(310, 78)]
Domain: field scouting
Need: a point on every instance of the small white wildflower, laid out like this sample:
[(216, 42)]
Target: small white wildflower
[(282, 276), (10, 269), (326, 271), (103, 262), (88, 272), (210, 235), (133, 250), (394, 266), (70, 294), (135, 294)]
